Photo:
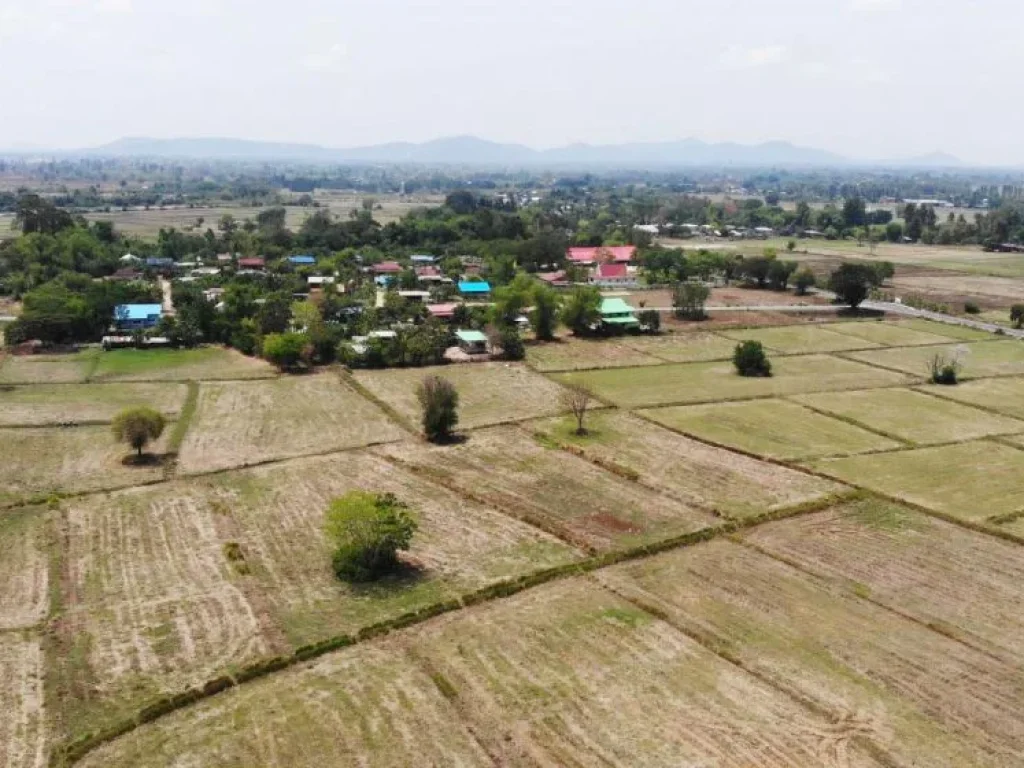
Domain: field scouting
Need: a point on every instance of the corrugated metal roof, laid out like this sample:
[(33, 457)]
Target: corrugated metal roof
[(471, 337), (475, 287), (137, 311)]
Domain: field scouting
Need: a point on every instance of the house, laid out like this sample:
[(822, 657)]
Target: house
[(650, 229), (302, 260), (252, 262), (321, 280), (159, 262), (137, 316), (613, 276), (475, 289), (126, 274), (442, 311), (472, 342), (213, 295), (616, 313), (418, 296), (422, 258), (359, 343), (386, 268), (620, 254), (205, 271), (130, 259), (764, 232), (431, 275), (554, 279)]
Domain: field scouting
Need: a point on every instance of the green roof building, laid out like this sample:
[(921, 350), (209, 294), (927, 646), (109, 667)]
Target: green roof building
[(617, 313)]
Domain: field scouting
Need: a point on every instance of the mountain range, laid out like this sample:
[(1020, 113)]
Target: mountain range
[(470, 150)]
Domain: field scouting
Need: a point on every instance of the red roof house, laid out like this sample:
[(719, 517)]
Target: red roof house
[(387, 268), (252, 262), (442, 311), (612, 271), (621, 254)]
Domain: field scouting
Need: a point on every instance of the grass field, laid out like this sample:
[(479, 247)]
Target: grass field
[(42, 405), (688, 347), (24, 568), (890, 334), (974, 480), (776, 429), (489, 393), (241, 423), (46, 370), (949, 330), (800, 339), (576, 354), (711, 382), (993, 358), (734, 486), (203, 363), (23, 731), (913, 416), (1005, 395)]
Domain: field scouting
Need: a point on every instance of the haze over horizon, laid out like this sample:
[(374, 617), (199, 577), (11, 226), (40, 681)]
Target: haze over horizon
[(867, 79)]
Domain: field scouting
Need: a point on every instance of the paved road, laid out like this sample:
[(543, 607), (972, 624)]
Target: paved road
[(902, 309)]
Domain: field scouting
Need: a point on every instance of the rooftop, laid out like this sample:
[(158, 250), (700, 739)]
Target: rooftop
[(618, 253), (137, 311), (475, 287), (616, 306), (471, 337), (302, 259)]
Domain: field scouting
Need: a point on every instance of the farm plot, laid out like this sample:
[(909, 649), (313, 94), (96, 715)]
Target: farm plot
[(686, 347), (942, 575), (489, 393), (573, 354), (733, 485), (914, 416), (989, 358), (62, 369), (40, 461), (1005, 395), (366, 706), (553, 490), (276, 515), (202, 364), (24, 568), (974, 481), (949, 330), (149, 605), (44, 405), (23, 724), (240, 423), (713, 382), (800, 339), (569, 674), (776, 429), (889, 334), (918, 696)]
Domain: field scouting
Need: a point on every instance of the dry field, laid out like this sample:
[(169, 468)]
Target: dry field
[(714, 382), (890, 334), (555, 491), (995, 292), (201, 364), (40, 461), (24, 568), (489, 393), (776, 429), (242, 423), (989, 358), (965, 583), (801, 339), (949, 330), (913, 417), (914, 695), (45, 370), (687, 347), (23, 729), (42, 405), (732, 485), (571, 354), (1005, 395)]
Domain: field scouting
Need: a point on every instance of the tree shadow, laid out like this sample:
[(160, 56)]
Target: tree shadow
[(408, 573), (861, 313), (147, 460)]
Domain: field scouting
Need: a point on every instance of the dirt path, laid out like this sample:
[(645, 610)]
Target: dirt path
[(168, 300)]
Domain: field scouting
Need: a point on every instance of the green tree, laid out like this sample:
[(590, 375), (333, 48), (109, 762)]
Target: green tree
[(285, 350), (439, 401), (852, 283), (894, 232), (884, 270), (854, 212), (1017, 315), (650, 320), (511, 344), (367, 531), (689, 300), (544, 316), (582, 310), (779, 273), (804, 280), (138, 427), (750, 359)]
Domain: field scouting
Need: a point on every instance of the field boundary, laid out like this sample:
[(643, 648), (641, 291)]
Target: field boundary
[(347, 379)]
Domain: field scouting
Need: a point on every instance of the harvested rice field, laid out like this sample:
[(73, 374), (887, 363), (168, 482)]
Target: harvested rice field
[(915, 417), (687, 347), (25, 541), (63, 369), (733, 485), (715, 382), (890, 334), (23, 732), (48, 405), (988, 358), (974, 481), (248, 422), (776, 429), (201, 364), (800, 339), (1005, 395), (949, 330), (573, 354)]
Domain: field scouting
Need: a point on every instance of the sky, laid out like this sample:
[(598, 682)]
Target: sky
[(871, 79)]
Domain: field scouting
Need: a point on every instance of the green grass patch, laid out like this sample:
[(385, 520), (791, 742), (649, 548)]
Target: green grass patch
[(46, 369), (775, 429), (43, 404), (949, 330), (202, 363), (800, 339), (994, 358), (888, 334)]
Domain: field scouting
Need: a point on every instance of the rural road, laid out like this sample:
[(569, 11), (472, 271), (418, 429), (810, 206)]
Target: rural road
[(902, 309)]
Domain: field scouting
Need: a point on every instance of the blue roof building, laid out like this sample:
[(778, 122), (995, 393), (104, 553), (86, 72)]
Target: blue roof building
[(302, 261), (478, 288), (159, 261), (137, 316)]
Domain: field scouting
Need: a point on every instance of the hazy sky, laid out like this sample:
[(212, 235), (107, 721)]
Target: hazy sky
[(869, 78)]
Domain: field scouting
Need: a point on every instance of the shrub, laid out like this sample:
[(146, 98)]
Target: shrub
[(511, 344), (803, 281), (751, 360), (138, 427), (285, 350), (972, 308), (367, 532), (650, 320), (689, 299), (944, 369), (440, 403), (1017, 315)]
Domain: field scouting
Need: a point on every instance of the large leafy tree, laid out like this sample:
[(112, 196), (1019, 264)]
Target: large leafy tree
[(367, 531)]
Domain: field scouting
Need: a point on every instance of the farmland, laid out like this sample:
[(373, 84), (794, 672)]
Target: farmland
[(817, 568)]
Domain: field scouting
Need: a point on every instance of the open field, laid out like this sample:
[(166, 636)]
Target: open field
[(913, 416), (57, 369), (776, 429), (203, 363), (589, 506), (42, 405), (891, 334), (24, 568), (241, 423), (800, 339), (940, 286), (963, 582), (687, 347), (974, 481), (1005, 395), (916, 696), (571, 354), (707, 382), (734, 486), (990, 358), (40, 461), (489, 393), (23, 725), (955, 332)]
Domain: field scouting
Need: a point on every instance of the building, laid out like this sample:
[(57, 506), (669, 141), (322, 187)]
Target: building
[(554, 279), (418, 296), (252, 262), (159, 262), (134, 317), (477, 289), (302, 260), (442, 311), (126, 274), (619, 254), (616, 313), (386, 268), (321, 280), (421, 258), (613, 276), (472, 342)]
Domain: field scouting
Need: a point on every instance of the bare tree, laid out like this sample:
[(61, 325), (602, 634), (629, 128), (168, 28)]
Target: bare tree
[(576, 399)]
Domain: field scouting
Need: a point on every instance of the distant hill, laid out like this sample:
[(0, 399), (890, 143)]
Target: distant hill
[(469, 150)]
